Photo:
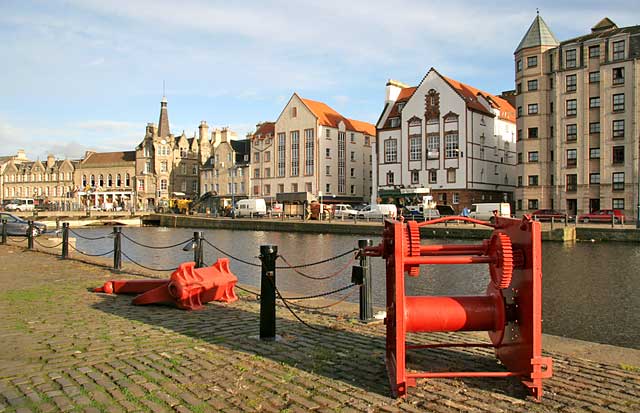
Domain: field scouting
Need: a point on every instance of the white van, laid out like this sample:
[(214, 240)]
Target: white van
[(378, 211), (20, 204), (343, 211), (484, 212), (251, 207)]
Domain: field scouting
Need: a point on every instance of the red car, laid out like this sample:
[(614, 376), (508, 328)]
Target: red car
[(603, 215), (547, 214)]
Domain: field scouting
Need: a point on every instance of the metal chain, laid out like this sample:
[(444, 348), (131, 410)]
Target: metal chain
[(341, 300), (153, 246), (284, 301), (320, 262), (322, 294), (48, 246), (231, 256), (90, 255), (145, 267), (17, 239), (87, 238), (311, 277), (246, 290)]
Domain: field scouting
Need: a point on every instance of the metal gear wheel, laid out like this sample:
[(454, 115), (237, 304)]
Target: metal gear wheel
[(412, 234), (501, 268)]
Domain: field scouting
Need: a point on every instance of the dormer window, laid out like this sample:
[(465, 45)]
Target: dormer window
[(618, 50), (394, 122), (401, 106)]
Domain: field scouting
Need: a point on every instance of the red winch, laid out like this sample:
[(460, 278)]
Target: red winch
[(188, 288), (511, 309)]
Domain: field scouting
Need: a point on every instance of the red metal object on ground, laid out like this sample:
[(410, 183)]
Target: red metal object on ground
[(188, 288), (511, 310)]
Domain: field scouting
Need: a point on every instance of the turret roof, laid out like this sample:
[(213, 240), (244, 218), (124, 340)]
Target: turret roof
[(538, 34)]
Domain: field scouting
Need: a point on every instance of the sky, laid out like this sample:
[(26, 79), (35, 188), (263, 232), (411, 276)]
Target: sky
[(88, 74)]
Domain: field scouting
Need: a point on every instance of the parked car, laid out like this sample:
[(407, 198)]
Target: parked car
[(446, 210), (484, 211), (603, 215), (19, 226), (20, 204), (378, 211), (343, 211), (548, 214), (419, 213)]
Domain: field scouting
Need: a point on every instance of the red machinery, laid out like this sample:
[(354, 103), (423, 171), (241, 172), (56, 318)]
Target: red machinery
[(511, 309), (188, 288)]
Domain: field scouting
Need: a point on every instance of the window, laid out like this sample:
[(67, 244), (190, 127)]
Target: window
[(390, 151), (519, 181), (309, 150), (519, 111), (572, 132), (594, 51), (84, 180), (572, 158), (533, 180), (594, 127), (353, 172), (519, 135), (415, 177), (456, 198), (433, 176), (533, 204), (294, 112), (352, 156), (183, 152), (256, 156), (394, 122), (532, 85), (353, 137), (256, 173), (342, 181), (519, 88), (415, 148), (401, 106), (390, 178), (594, 153), (141, 185), (551, 82), (594, 102), (594, 77), (367, 141), (127, 179), (594, 178), (618, 102), (519, 157), (163, 184), (618, 181), (572, 107), (327, 152), (294, 188), (164, 166), (618, 154), (267, 156), (551, 155), (533, 133), (618, 75), (532, 61), (295, 153), (451, 145), (101, 180), (353, 189), (572, 182), (532, 109), (571, 83), (618, 50), (109, 180), (519, 65), (570, 58), (328, 170), (147, 167), (617, 203), (451, 176), (618, 128), (327, 133), (533, 156)]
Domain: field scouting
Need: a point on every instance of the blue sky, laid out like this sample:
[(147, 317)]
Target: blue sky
[(87, 74)]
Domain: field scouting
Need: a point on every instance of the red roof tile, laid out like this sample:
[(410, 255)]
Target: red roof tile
[(109, 158), (265, 128), (329, 117)]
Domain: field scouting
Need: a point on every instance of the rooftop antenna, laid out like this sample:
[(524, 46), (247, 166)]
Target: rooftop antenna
[(163, 92), (537, 11)]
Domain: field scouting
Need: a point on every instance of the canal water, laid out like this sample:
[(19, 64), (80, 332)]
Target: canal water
[(591, 291)]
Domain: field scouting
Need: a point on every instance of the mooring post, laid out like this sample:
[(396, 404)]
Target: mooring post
[(366, 290), (117, 248), (4, 232), (268, 256), (65, 240), (198, 256), (30, 235)]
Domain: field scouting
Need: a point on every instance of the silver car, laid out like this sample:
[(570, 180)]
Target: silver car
[(19, 226)]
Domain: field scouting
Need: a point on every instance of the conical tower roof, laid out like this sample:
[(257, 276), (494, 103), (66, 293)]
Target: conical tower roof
[(163, 123), (538, 34)]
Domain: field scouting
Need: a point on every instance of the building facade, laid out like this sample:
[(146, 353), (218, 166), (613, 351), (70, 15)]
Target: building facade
[(106, 180), (312, 148), (225, 173), (578, 131), (454, 139)]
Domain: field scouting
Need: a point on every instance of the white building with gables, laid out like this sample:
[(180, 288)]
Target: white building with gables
[(457, 140)]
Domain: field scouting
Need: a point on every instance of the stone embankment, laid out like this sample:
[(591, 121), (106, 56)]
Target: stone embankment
[(67, 349)]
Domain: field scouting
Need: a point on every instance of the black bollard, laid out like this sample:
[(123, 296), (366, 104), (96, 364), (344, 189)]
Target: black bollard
[(366, 290), (117, 248), (198, 256), (65, 240), (4, 232), (30, 235), (268, 256)]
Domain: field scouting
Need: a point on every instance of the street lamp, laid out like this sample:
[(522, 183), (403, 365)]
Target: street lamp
[(232, 172), (320, 214)]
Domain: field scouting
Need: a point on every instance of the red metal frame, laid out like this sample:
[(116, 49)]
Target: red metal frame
[(516, 333)]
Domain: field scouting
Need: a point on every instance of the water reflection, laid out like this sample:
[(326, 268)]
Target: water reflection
[(591, 291)]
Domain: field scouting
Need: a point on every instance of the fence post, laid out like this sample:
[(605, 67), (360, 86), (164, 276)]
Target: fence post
[(65, 240), (30, 235), (4, 232), (117, 248), (268, 256), (366, 290), (552, 221), (198, 256)]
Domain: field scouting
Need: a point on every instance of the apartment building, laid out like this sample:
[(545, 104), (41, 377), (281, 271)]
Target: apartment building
[(106, 180), (447, 138), (312, 148), (226, 172), (577, 126)]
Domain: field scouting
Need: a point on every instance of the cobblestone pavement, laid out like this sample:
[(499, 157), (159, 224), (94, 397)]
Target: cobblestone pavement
[(67, 349)]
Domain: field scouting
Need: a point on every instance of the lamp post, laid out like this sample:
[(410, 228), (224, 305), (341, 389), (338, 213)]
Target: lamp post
[(232, 172), (320, 214)]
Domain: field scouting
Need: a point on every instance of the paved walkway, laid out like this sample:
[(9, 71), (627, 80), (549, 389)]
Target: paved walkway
[(66, 349)]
